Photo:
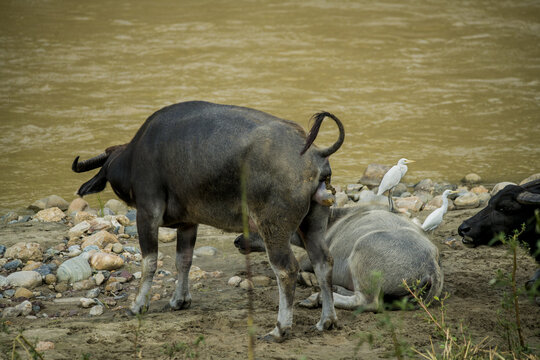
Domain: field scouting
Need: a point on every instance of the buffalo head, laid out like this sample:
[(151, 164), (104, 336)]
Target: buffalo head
[(506, 211)]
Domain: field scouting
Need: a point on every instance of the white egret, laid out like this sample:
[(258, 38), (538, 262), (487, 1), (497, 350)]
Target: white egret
[(392, 178), (435, 218)]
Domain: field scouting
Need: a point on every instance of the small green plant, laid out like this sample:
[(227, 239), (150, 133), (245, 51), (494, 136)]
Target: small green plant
[(4, 326), (29, 348), (508, 316), (453, 347), (137, 346), (101, 206), (188, 351), (401, 348)]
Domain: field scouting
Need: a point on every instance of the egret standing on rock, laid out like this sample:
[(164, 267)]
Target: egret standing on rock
[(435, 218), (392, 178)]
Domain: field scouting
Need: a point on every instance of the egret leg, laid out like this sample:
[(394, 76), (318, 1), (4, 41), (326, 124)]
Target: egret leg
[(390, 201)]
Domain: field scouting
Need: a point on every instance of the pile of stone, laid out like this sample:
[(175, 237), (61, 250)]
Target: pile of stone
[(99, 255), (426, 195)]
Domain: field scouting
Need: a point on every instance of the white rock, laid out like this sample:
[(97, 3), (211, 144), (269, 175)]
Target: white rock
[(26, 279), (234, 281), (3, 281), (96, 310), (79, 229), (24, 309), (246, 284), (205, 251), (166, 234), (86, 302), (53, 214)]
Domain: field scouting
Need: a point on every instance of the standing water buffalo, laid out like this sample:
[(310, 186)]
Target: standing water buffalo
[(505, 212), (364, 241), (184, 167)]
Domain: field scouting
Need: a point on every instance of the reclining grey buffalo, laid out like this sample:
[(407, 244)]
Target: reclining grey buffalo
[(184, 167), (505, 212), (364, 241)]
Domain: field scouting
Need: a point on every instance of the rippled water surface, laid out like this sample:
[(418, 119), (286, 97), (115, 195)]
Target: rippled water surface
[(453, 85)]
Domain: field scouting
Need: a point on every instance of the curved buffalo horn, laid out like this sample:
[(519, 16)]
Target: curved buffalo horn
[(529, 198), (89, 164)]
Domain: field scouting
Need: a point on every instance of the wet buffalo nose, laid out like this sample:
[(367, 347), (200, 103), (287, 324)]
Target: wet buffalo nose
[(463, 229), (238, 241)]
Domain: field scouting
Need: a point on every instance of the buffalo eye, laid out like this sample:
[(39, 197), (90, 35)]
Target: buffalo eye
[(507, 207)]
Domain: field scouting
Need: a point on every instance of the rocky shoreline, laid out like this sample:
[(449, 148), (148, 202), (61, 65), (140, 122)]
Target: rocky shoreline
[(94, 266)]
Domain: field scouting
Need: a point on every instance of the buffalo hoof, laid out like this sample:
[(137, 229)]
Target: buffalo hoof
[(136, 310), (277, 335), (311, 302), (327, 324), (179, 305)]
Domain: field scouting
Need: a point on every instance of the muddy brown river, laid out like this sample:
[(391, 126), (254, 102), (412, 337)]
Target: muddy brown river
[(453, 85)]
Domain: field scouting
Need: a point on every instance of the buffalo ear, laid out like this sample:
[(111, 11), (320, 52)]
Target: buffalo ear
[(528, 198)]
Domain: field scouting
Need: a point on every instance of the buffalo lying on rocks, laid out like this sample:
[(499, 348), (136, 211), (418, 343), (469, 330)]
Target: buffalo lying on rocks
[(363, 242), (184, 167), (505, 212)]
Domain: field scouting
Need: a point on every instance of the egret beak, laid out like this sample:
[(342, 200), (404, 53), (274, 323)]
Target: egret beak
[(409, 161)]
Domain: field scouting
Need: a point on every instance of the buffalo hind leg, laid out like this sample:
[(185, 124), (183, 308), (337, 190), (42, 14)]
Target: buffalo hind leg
[(185, 242), (285, 268), (148, 221), (313, 229)]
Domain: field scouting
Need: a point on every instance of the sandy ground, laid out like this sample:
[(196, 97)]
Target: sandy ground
[(218, 311)]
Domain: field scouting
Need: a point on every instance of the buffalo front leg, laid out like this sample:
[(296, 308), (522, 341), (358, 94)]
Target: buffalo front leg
[(312, 230), (147, 227), (185, 242)]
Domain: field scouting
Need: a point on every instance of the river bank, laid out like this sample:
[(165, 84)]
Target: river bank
[(98, 329)]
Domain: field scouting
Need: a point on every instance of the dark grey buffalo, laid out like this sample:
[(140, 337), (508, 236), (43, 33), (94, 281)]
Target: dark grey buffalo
[(365, 241), (506, 211), (184, 167)]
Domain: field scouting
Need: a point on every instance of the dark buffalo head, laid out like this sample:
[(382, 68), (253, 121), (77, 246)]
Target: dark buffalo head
[(254, 244), (506, 211)]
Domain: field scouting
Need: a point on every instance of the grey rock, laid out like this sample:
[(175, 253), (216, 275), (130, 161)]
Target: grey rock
[(341, 199), (399, 189), (24, 309), (131, 230), (9, 217), (426, 185), (2, 250), (498, 187), (468, 200), (423, 195), (44, 270), (530, 178), (3, 281), (484, 198), (73, 270), (12, 265), (93, 293), (132, 249), (471, 178), (132, 215), (373, 174), (118, 207), (26, 279), (353, 188)]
